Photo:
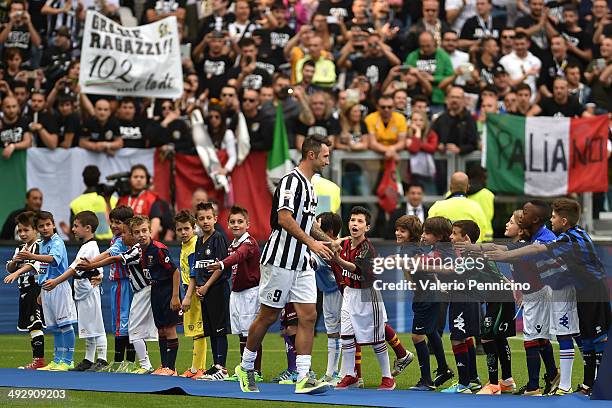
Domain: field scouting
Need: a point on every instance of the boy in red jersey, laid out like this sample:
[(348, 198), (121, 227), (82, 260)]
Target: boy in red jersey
[(363, 313)]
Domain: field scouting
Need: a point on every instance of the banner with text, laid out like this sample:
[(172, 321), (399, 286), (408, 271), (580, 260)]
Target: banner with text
[(546, 156), (131, 61)]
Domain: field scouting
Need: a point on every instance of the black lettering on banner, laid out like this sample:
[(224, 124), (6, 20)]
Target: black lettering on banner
[(559, 157), (95, 41), (139, 48), (511, 150), (593, 151)]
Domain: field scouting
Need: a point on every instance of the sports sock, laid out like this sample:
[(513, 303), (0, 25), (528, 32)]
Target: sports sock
[(258, 359), (461, 358), (69, 340), (438, 348), (214, 346), (242, 343), (491, 349), (548, 356), (141, 351), (173, 345), (600, 346), (566, 361), (424, 365), (394, 342), (333, 355), (504, 354), (578, 340), (102, 347), (383, 359), (90, 349), (348, 357), (199, 353), (58, 347), (302, 361), (533, 364), (248, 359), (290, 350), (130, 353), (120, 345), (469, 342), (221, 350), (358, 360), (38, 343), (163, 351)]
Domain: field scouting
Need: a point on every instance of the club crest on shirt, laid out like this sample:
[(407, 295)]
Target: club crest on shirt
[(207, 251)]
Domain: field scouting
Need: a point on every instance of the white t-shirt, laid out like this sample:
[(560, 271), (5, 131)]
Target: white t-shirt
[(516, 66), (467, 12), (458, 58), (83, 287)]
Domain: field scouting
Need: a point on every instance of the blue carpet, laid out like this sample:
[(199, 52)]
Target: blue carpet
[(110, 382)]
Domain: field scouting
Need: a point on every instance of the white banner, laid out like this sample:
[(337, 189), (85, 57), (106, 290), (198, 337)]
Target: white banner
[(131, 61), (58, 173)]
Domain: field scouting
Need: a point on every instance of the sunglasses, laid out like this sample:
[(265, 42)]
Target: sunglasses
[(250, 100), (385, 107), (508, 37)]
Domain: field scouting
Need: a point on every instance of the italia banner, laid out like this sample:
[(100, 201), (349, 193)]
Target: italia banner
[(546, 156), (131, 61)]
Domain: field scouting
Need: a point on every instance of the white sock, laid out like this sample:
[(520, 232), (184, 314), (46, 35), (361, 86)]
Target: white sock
[(333, 355), (302, 361), (101, 347), (566, 361), (348, 357), (141, 352), (90, 349), (383, 358), (248, 359)]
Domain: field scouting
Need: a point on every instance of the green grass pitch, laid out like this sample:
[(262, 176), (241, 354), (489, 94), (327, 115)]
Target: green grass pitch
[(16, 351)]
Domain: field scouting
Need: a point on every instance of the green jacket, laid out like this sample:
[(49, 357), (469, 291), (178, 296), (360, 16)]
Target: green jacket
[(444, 69)]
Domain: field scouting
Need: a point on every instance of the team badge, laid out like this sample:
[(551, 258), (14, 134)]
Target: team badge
[(108, 135), (207, 251)]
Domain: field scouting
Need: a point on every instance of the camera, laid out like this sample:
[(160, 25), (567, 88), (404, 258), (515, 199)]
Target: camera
[(285, 92), (121, 186)]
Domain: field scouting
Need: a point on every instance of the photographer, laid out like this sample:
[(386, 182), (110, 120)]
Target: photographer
[(19, 31), (249, 73), (95, 198), (212, 61), (42, 124)]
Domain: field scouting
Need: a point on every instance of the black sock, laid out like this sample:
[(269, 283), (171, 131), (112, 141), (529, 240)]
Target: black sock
[(590, 366), (533, 364), (424, 365), (130, 352), (214, 348), (548, 356), (172, 350), (463, 366), (220, 354), (504, 355), (472, 359), (38, 346), (491, 349), (121, 343), (438, 349), (163, 351)]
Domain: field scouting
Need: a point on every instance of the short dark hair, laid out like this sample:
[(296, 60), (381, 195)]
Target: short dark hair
[(567, 208), (127, 99), (42, 216), (91, 175), (469, 228), (236, 209), (384, 96), (419, 98), (523, 87), (88, 218), (412, 224), (521, 36), (185, 216), (408, 186), (313, 144), (19, 84), (440, 227), (309, 63), (121, 213), (357, 210), (330, 222), (207, 206), (26, 218), (246, 42), (544, 211), (142, 167), (30, 191)]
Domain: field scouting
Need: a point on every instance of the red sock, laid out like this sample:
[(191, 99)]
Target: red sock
[(469, 342), (394, 342), (358, 360)]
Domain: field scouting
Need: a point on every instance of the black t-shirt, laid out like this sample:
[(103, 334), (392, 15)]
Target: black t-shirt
[(55, 62), (570, 109), (214, 23), (47, 121), (258, 78), (14, 132), (321, 127), (93, 131), (539, 40), (261, 132), (134, 132), (213, 72), (552, 69), (275, 40), (164, 6), (374, 68), (427, 63), (68, 124), (476, 28), (339, 9), (581, 39), (177, 132), (19, 37)]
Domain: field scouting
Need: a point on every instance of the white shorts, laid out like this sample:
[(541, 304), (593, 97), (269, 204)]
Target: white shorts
[(141, 325), (363, 315), (243, 308), (564, 312), (279, 286), (89, 310), (332, 306), (58, 306), (536, 314)]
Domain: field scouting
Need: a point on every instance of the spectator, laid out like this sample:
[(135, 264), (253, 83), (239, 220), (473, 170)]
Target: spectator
[(354, 134), (501, 83), (156, 10), (322, 31), (555, 66), (388, 129), (420, 104), (510, 102), (325, 125), (308, 71), (222, 138), (173, 133), (220, 18), (42, 123), (57, 56), (487, 60), (33, 202), (482, 25), (260, 130), (422, 143), (21, 92), (212, 61), (19, 32), (579, 42), (231, 106), (464, 74), (13, 63), (408, 79), (506, 42), (522, 65), (266, 94), (68, 84), (577, 89), (400, 102), (561, 104), (101, 132), (431, 23), (413, 194), (458, 12), (67, 121), (132, 128), (15, 133), (142, 200), (435, 65), (488, 104), (241, 27), (523, 100), (595, 27), (599, 77), (278, 36), (62, 14), (325, 70), (249, 73), (537, 26)]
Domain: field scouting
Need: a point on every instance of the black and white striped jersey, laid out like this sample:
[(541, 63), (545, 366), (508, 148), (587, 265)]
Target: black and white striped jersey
[(296, 194), (29, 278), (132, 259)]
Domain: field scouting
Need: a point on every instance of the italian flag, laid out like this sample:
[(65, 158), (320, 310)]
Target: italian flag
[(279, 161), (546, 156)]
